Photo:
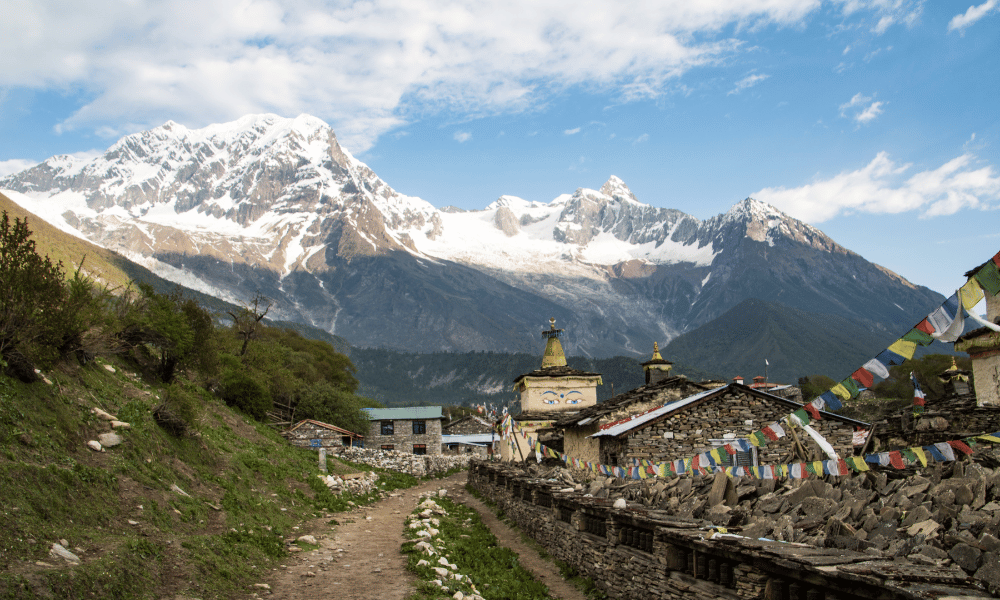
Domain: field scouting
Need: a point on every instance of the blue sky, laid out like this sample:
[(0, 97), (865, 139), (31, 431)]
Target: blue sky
[(877, 121)]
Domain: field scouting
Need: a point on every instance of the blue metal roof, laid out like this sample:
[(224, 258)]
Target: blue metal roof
[(409, 412)]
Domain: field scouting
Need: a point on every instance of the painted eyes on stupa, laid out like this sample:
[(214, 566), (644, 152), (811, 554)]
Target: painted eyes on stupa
[(569, 397)]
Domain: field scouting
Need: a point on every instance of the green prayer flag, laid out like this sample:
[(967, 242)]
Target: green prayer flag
[(989, 278), (760, 438), (910, 455), (802, 415), (811, 469), (851, 386), (920, 337)]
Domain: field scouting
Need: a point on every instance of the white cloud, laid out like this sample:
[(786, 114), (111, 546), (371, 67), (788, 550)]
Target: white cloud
[(861, 109), (462, 136), (15, 165), (642, 138), (365, 67), (573, 131), (879, 187), (960, 22), (747, 82), (888, 12)]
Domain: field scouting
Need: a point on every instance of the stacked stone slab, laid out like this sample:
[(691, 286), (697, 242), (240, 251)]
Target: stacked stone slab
[(879, 532)]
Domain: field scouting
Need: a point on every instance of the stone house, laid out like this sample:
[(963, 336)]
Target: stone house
[(414, 430), (316, 434), (467, 425), (709, 419), (660, 388)]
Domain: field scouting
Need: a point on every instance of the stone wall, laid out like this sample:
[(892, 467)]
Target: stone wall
[(733, 415), (403, 462), (403, 438), (632, 551)]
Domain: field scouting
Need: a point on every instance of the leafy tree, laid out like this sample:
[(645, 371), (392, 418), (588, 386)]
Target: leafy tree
[(78, 328), (927, 370), (166, 331), (814, 385), (326, 402), (31, 293)]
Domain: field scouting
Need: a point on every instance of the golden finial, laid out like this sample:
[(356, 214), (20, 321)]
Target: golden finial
[(656, 352)]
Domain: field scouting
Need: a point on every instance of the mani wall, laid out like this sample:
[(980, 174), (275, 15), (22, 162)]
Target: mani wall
[(638, 552)]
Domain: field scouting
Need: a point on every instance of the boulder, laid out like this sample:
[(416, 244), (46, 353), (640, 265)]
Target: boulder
[(110, 440), (966, 556), (60, 551), (989, 572)]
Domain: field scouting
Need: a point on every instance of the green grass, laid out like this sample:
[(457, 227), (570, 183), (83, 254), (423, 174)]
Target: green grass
[(464, 540), (53, 487), (568, 572)]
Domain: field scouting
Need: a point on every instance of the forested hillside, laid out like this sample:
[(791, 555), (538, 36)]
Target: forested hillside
[(396, 379)]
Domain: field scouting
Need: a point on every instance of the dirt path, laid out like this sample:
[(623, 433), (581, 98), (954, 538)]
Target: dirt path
[(360, 559)]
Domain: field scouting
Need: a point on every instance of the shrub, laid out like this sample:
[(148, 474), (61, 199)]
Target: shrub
[(238, 389)]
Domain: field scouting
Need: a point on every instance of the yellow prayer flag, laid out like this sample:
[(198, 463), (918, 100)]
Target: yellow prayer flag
[(818, 467), (989, 438), (661, 469), (970, 293), (841, 391), (920, 455), (715, 455), (903, 348)]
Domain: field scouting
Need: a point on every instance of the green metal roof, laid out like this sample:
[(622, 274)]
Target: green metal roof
[(410, 412)]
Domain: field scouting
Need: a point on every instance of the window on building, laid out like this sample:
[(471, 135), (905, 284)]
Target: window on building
[(419, 448), (386, 427), (388, 447), (419, 427)]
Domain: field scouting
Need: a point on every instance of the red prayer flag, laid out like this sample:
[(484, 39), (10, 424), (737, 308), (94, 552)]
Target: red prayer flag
[(813, 412), (695, 461), (896, 460), (770, 433), (864, 377), (925, 326), (729, 449), (843, 466), (960, 445)]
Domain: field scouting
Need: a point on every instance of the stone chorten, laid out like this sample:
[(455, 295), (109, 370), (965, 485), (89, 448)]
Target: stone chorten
[(545, 394), (656, 368), (983, 347)]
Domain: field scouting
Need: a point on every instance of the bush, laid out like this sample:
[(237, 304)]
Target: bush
[(31, 294), (238, 389)]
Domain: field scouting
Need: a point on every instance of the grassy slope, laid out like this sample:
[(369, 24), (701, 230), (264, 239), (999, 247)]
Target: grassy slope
[(138, 538)]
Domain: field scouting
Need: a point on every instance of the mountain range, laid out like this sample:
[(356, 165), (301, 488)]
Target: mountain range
[(275, 205)]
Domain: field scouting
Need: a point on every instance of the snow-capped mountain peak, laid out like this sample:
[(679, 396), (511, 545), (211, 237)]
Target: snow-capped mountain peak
[(276, 204)]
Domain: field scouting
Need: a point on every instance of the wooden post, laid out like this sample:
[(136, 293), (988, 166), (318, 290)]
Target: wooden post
[(800, 450)]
